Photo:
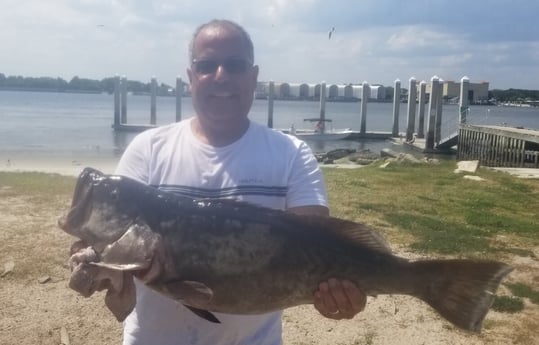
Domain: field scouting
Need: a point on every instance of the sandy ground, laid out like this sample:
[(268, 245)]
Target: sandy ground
[(37, 307)]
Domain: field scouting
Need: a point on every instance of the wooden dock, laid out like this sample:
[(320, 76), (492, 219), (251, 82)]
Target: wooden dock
[(499, 146)]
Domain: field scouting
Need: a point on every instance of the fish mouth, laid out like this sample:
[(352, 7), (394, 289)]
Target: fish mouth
[(80, 206)]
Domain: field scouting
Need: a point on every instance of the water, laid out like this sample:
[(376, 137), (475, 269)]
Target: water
[(78, 125)]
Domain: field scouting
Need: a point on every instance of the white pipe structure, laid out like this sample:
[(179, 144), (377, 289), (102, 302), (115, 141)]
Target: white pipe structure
[(364, 100), (464, 102), (396, 108), (412, 95)]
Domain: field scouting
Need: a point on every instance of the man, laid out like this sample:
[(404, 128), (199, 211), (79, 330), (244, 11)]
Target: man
[(220, 153)]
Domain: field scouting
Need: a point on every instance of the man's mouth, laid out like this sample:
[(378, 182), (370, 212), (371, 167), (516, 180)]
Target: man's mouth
[(222, 94)]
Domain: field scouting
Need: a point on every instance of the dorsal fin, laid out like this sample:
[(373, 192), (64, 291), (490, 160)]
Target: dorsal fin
[(357, 233)]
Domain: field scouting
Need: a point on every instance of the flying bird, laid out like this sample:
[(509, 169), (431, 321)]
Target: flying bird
[(331, 32)]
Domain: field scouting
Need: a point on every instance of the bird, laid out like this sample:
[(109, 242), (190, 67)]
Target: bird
[(331, 32)]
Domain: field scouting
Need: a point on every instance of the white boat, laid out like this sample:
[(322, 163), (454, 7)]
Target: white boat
[(319, 133)]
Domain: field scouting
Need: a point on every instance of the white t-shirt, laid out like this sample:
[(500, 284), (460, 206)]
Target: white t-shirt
[(263, 167)]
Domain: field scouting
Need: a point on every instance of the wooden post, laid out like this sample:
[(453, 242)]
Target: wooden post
[(365, 92), (396, 108), (271, 96), (153, 90), (429, 140), (439, 107), (412, 94), (116, 124), (179, 95), (421, 113), (463, 102), (123, 98), (323, 107)]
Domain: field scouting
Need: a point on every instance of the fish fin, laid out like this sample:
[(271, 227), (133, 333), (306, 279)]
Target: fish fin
[(462, 291), (133, 251), (207, 315), (192, 292), (357, 233), (122, 302)]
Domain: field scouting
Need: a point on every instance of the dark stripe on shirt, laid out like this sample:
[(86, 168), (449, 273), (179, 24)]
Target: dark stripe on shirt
[(230, 192)]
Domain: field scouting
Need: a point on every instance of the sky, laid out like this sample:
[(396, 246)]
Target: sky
[(377, 41)]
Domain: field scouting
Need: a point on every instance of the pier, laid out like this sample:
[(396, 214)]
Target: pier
[(431, 116), (498, 146), (494, 146)]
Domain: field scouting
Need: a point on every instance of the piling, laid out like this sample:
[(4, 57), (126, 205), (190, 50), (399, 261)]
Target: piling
[(431, 118), (365, 92), (323, 107), (179, 94), (123, 100), (421, 111), (412, 94), (271, 97), (153, 108), (116, 102), (396, 107), (463, 103), (438, 120)]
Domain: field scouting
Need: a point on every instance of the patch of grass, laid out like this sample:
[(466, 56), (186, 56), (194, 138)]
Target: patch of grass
[(438, 235), (508, 304), (34, 183), (523, 290), (444, 212)]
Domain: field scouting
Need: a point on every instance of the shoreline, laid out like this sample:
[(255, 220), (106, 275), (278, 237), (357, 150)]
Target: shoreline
[(62, 165)]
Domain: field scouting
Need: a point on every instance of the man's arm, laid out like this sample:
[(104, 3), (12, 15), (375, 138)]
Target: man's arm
[(334, 299)]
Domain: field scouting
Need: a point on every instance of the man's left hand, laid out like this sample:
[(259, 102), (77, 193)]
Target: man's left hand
[(339, 300)]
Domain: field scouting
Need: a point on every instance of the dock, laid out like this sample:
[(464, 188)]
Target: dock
[(499, 146)]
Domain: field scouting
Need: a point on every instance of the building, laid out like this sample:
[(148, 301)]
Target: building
[(477, 93)]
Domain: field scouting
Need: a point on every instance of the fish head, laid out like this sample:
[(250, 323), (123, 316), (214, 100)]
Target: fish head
[(100, 211)]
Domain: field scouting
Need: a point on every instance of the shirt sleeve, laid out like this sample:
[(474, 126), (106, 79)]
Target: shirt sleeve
[(306, 185)]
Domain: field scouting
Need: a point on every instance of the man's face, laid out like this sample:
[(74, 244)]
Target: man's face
[(222, 77)]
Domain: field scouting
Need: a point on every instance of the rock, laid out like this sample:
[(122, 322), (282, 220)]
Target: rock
[(467, 166), (473, 178), (8, 268), (44, 279), (64, 337)]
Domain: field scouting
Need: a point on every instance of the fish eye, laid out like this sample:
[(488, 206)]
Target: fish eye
[(115, 194)]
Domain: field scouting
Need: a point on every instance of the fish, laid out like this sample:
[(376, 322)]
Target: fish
[(227, 256)]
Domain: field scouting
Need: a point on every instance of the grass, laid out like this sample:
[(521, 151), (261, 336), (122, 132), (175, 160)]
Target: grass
[(433, 210), (523, 290), (508, 304)]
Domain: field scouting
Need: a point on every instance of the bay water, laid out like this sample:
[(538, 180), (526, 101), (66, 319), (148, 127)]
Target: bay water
[(34, 124)]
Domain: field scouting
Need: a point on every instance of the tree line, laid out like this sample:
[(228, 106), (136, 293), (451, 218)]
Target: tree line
[(76, 84), (514, 95)]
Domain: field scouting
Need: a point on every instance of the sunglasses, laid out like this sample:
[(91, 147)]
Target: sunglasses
[(231, 65)]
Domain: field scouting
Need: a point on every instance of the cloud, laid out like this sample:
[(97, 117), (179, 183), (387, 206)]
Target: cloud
[(377, 41)]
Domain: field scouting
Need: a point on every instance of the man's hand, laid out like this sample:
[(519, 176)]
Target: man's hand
[(339, 300)]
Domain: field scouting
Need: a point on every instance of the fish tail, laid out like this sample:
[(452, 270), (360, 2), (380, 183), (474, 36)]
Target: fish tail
[(462, 291)]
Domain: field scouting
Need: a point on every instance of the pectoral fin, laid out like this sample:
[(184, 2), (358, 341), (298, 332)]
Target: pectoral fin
[(121, 303), (203, 314), (193, 295), (191, 292)]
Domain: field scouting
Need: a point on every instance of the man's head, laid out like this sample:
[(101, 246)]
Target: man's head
[(222, 76)]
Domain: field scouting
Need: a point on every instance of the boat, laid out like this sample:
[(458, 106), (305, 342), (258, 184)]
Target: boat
[(320, 133)]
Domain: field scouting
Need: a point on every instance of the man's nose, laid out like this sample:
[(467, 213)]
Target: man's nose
[(221, 73)]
